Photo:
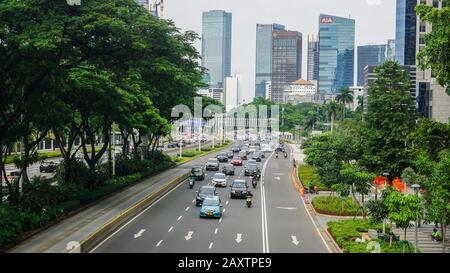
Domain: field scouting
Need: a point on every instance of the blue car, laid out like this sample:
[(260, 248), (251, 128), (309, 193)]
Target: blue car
[(211, 207)]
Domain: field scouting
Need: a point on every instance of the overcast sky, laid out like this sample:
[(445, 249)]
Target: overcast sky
[(375, 23)]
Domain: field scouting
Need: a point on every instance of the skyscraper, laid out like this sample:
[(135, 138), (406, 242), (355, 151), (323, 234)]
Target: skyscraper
[(390, 50), (336, 53), (369, 55), (405, 32), (216, 46), (263, 67), (313, 58), (286, 62)]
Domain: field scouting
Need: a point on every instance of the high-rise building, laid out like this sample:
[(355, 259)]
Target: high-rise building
[(286, 62), (405, 32), (336, 53), (390, 50), (231, 92), (369, 55), (145, 3), (313, 58), (263, 67), (216, 46), (432, 100)]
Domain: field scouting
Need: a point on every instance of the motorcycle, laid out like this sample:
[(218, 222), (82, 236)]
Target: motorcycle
[(191, 182), (285, 155), (248, 201), (276, 155), (254, 182)]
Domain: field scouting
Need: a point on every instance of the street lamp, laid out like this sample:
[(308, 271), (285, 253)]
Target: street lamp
[(416, 188)]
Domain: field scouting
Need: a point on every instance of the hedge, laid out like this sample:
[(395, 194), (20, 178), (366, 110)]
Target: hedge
[(306, 174), (333, 205), (43, 155), (346, 231)]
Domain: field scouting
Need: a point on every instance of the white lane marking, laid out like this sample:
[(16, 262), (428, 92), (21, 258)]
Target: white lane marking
[(139, 234), (294, 240), (224, 210), (286, 208), (276, 178), (179, 217), (220, 220), (210, 245), (189, 235), (265, 240), (134, 218), (215, 231), (159, 243), (170, 229), (226, 203), (187, 208), (238, 238), (193, 201)]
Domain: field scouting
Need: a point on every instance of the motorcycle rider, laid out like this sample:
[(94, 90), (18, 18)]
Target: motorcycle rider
[(248, 198), (191, 180), (255, 180)]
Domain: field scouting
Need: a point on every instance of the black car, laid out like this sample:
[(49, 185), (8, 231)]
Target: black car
[(228, 169), (230, 154), (203, 192), (239, 189), (47, 167), (198, 173), (243, 155), (250, 169), (257, 156), (222, 157)]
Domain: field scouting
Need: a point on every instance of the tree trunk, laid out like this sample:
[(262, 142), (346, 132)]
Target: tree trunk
[(332, 122)]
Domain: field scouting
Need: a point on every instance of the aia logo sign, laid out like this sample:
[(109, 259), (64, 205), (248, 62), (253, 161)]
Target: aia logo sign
[(326, 20)]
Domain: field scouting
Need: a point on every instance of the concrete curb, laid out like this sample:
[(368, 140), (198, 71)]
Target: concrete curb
[(90, 241)]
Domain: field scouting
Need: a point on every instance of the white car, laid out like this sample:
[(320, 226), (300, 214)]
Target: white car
[(219, 179), (252, 149), (266, 149)]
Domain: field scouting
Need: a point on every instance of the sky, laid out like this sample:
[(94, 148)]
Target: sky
[(375, 24)]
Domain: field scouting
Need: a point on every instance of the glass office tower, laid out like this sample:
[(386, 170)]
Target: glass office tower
[(369, 55), (313, 57), (405, 32), (216, 46), (263, 66), (286, 62), (336, 53)]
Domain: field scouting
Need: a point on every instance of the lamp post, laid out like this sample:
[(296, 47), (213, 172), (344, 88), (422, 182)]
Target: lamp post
[(416, 188), (385, 174)]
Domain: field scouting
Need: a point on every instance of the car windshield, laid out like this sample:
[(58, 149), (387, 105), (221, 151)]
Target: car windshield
[(239, 185), (207, 190), (251, 167), (211, 202), (219, 176), (212, 160), (223, 154), (196, 170)]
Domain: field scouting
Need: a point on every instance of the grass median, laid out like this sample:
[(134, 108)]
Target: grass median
[(307, 173), (189, 155), (44, 155), (337, 206)]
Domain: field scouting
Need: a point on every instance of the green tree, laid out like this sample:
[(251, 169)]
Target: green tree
[(332, 109), (403, 209), (435, 55), (429, 136), (390, 119), (359, 180), (344, 97)]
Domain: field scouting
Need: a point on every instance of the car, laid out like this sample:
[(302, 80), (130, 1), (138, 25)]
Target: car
[(251, 161), (198, 173), (219, 179), (211, 207), (222, 157), (228, 169), (203, 192), (239, 189), (261, 154), (252, 149), (236, 149), (212, 164), (266, 149), (47, 167), (244, 147), (250, 169), (230, 154), (236, 161), (257, 156), (243, 155)]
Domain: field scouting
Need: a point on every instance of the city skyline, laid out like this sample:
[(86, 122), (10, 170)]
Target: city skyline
[(186, 15)]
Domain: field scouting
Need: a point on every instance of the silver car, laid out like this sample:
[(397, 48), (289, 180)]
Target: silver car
[(219, 180)]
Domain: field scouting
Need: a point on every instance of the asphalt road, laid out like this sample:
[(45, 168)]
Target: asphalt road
[(277, 222)]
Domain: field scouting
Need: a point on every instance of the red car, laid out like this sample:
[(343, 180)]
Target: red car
[(237, 161)]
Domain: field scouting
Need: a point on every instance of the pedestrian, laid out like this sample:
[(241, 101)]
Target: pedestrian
[(436, 235)]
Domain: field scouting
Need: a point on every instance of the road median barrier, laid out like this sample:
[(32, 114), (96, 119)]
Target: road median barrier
[(93, 239)]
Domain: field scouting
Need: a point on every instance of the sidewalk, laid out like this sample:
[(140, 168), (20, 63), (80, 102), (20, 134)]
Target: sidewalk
[(83, 224), (424, 242)]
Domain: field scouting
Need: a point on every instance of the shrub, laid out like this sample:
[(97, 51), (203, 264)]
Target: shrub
[(190, 153), (336, 206), (307, 173), (39, 194), (11, 226), (206, 149)]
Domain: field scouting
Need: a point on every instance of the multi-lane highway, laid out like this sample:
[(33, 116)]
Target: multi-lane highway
[(277, 222)]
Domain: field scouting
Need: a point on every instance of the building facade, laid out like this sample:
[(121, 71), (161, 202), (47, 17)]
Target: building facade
[(231, 92), (216, 46), (313, 58), (263, 67), (390, 50), (358, 93), (286, 62), (432, 100), (301, 91), (405, 32), (336, 53), (369, 55)]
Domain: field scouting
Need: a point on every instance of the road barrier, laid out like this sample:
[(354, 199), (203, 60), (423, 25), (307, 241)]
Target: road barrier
[(89, 242)]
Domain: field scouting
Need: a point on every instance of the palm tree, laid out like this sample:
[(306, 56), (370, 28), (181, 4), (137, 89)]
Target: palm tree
[(344, 97), (311, 119), (332, 109)]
